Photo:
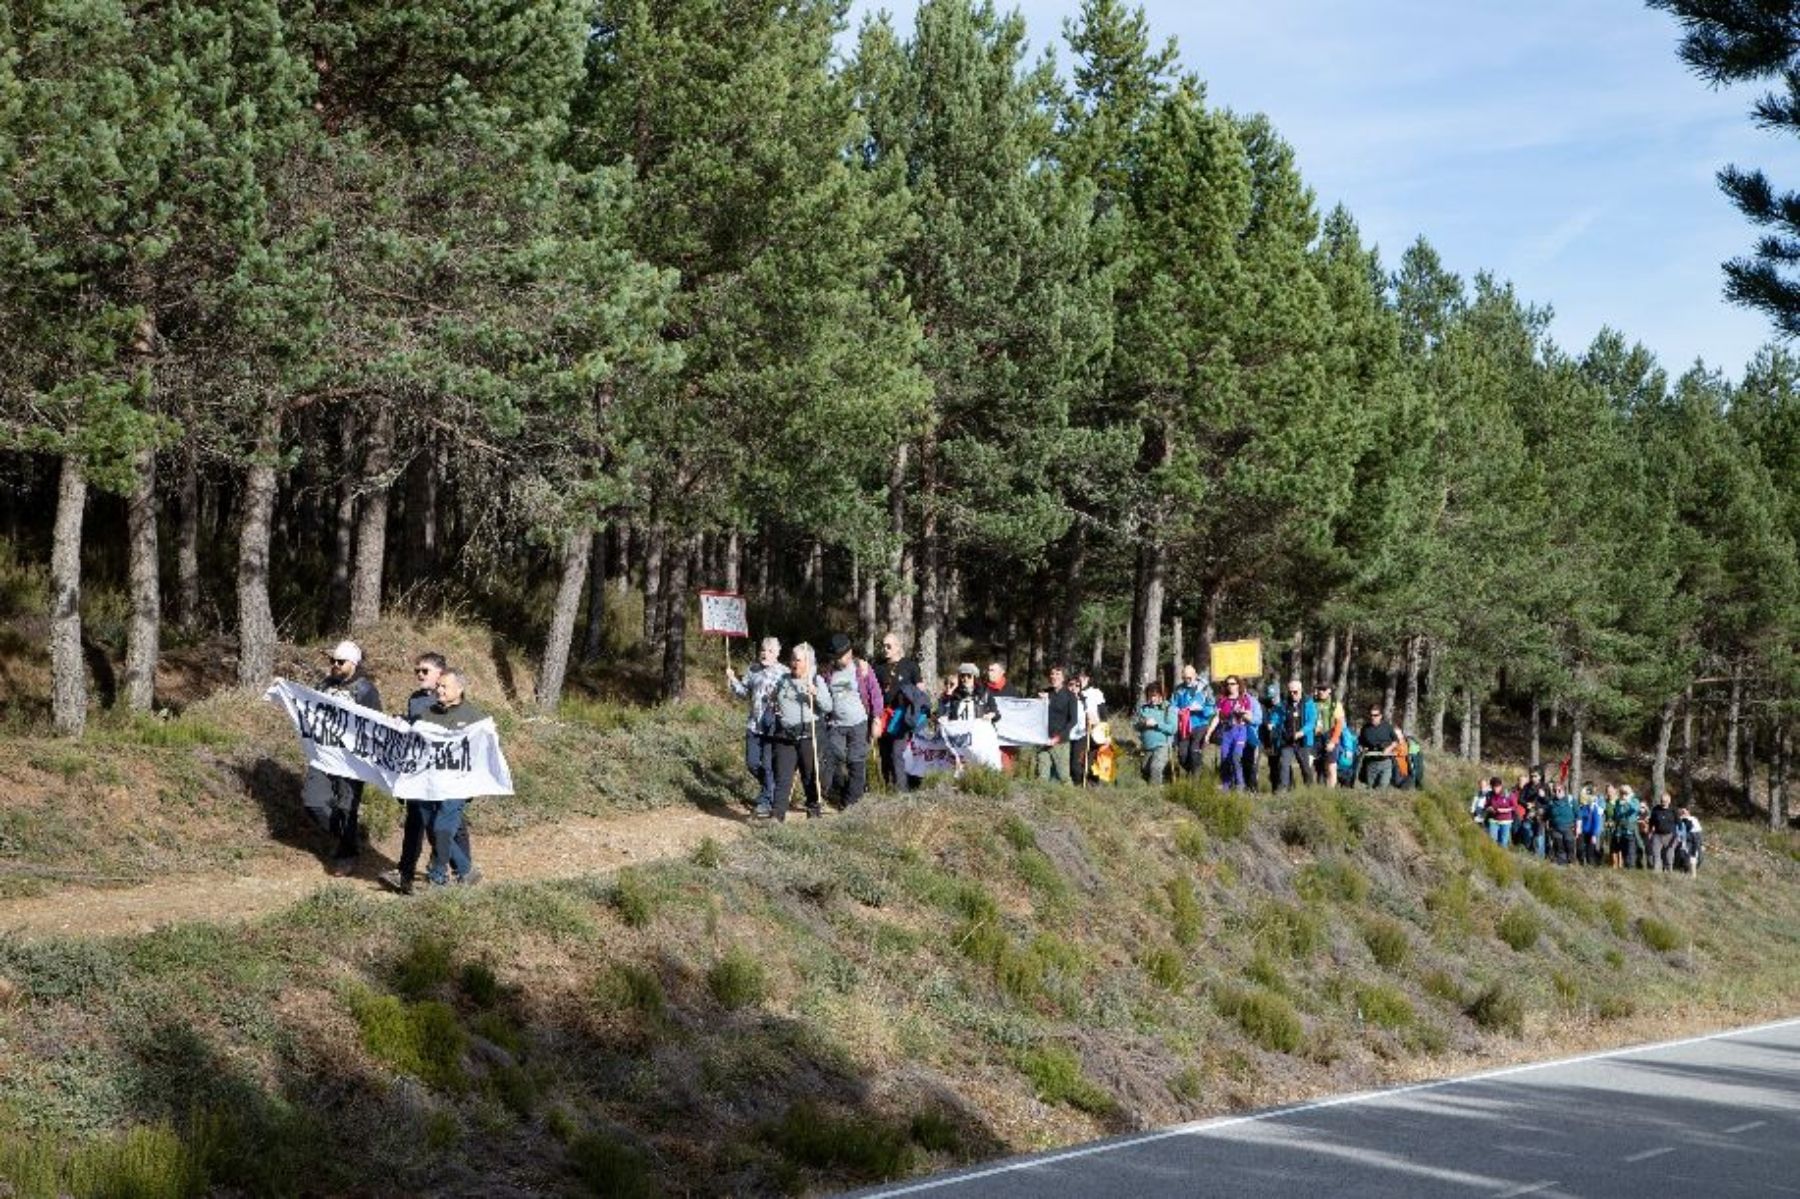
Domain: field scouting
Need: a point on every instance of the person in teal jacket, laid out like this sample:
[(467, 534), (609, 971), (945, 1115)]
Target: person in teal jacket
[(1292, 731), (1155, 723)]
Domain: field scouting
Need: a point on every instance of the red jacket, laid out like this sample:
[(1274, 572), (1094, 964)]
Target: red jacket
[(1503, 806)]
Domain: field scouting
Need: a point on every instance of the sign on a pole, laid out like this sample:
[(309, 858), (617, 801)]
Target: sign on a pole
[(724, 613), (1242, 658)]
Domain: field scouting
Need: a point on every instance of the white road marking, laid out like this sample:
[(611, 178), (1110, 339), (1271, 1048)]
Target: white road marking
[(1221, 1122), (1647, 1154), (1745, 1127), (1529, 1189)]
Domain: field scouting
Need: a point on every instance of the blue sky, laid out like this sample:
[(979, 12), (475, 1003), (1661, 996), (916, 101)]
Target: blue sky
[(1556, 143)]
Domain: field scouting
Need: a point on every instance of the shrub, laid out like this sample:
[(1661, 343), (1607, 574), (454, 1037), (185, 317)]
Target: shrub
[(1617, 918), (610, 1168), (1442, 985), (480, 984), (1495, 861), (516, 1090), (1659, 934), (1316, 822), (863, 1147), (1190, 840), (1387, 941), (1266, 1018), (424, 967), (1615, 1005), (1041, 874), (1184, 910), (1498, 1008), (1285, 929), (1165, 969), (707, 855), (1265, 971), (1548, 886), (422, 1039), (145, 1163), (492, 1026), (1429, 820), (981, 781), (1187, 1084), (1333, 881), (1384, 1006), (1452, 906), (935, 1131), (632, 899), (627, 986), (1056, 1075), (1018, 834), (1226, 814), (737, 980), (1520, 927)]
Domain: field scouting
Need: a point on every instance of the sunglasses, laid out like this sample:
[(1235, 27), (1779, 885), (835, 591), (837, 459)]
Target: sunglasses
[(340, 661), (422, 671)]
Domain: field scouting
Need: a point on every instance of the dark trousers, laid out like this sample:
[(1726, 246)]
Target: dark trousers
[(1081, 761), (335, 805), (1587, 850), (1190, 751), (421, 815), (1562, 845), (848, 746), (1293, 756), (791, 757), (758, 758), (1250, 756)]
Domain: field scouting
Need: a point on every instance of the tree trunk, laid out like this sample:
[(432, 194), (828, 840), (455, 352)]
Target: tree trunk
[(1212, 601), (1687, 745), (812, 581), (1733, 713), (578, 548), (1146, 638), (1437, 693), (1475, 729), (371, 524), (187, 545), (674, 662), (1577, 724), (868, 611), (1326, 660), (422, 504), (343, 550), (931, 600), (622, 558), (1343, 668), (1098, 661), (1748, 759), (256, 623), (1415, 663), (1466, 744), (1537, 738), (142, 645), (595, 633), (734, 561), (68, 669), (899, 605), (1665, 733), (655, 546), (1555, 714), (1778, 776), (1175, 648), (1075, 580), (1391, 692)]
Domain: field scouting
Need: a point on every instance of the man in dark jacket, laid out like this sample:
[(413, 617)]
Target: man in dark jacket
[(1562, 814), (1664, 823), (1065, 711), (895, 672), (451, 711), (421, 813), (334, 803)]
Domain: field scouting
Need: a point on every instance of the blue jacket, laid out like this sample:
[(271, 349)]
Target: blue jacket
[(1156, 723), (1309, 719), (1198, 701), (1593, 818), (1347, 748)]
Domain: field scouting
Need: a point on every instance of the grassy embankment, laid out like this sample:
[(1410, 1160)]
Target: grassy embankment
[(926, 982)]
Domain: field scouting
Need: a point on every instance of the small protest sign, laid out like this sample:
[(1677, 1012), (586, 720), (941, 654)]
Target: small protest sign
[(724, 613)]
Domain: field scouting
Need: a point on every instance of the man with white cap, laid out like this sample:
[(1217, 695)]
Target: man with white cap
[(336, 803)]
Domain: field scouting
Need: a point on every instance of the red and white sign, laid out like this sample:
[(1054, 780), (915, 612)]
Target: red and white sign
[(724, 613)]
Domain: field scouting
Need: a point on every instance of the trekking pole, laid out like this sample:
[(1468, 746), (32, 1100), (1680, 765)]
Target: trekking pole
[(818, 795)]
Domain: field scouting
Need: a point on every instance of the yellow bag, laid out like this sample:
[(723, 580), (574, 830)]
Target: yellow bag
[(1105, 767)]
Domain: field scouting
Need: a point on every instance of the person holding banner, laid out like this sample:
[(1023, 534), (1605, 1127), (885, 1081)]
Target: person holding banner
[(428, 669), (335, 802), (1064, 714), (1084, 741), (970, 701), (758, 686), (451, 711), (799, 702)]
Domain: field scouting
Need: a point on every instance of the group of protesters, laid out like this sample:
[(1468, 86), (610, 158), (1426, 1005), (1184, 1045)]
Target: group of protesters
[(816, 724), (334, 802), (1613, 827)]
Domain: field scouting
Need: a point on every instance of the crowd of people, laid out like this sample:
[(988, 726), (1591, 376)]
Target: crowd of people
[(1612, 828), (817, 725), (334, 802)]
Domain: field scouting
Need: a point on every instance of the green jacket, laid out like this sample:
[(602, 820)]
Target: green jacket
[(1157, 724)]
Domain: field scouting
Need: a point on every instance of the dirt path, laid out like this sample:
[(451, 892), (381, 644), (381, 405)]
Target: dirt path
[(277, 879)]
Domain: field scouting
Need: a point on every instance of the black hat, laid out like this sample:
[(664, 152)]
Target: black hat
[(838, 646)]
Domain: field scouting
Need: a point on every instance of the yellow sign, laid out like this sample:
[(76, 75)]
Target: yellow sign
[(1242, 658)]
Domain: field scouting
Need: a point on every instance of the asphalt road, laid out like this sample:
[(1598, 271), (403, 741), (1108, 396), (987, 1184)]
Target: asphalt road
[(1709, 1117)]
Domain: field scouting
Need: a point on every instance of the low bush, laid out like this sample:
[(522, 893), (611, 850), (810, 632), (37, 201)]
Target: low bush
[(630, 987), (1452, 906), (707, 855), (863, 1147), (1494, 860), (1520, 927), (1441, 984), (935, 1131), (1267, 1019), (1384, 1006), (1332, 881), (1316, 822), (1659, 934), (1285, 929), (1388, 942), (480, 985), (608, 1167), (1164, 966), (1498, 1008), (1226, 814), (1190, 841), (1613, 909), (1056, 1075), (632, 898), (737, 979), (423, 1039), (426, 966), (1041, 874), (1184, 910), (1018, 834), (982, 781)]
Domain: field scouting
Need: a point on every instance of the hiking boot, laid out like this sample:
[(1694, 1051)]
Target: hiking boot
[(342, 867), (392, 881), (471, 878), (764, 812)]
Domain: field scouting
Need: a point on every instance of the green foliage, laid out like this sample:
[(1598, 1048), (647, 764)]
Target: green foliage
[(1388, 942), (1332, 881), (737, 979), (608, 1167), (1452, 906), (1187, 1085), (1041, 874), (861, 1147), (1440, 984), (1165, 968), (936, 1131), (1520, 926), (1660, 934), (982, 781), (480, 985), (1498, 1008), (633, 899), (1190, 841), (1267, 1018), (1056, 1075), (628, 986), (1497, 862), (1287, 930), (1384, 1006), (425, 967), (423, 1039), (1184, 911), (707, 855), (1225, 814), (1318, 822), (1548, 886), (1617, 917), (1018, 834)]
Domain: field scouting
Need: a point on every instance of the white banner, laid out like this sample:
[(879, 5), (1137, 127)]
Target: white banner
[(409, 761), (956, 742), (1023, 721), (724, 612)]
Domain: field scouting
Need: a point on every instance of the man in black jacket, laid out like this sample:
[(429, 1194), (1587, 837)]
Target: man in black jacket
[(421, 813), (894, 672), (334, 803), (1065, 711)]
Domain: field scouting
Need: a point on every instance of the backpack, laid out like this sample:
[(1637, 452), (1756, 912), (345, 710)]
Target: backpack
[(910, 715)]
